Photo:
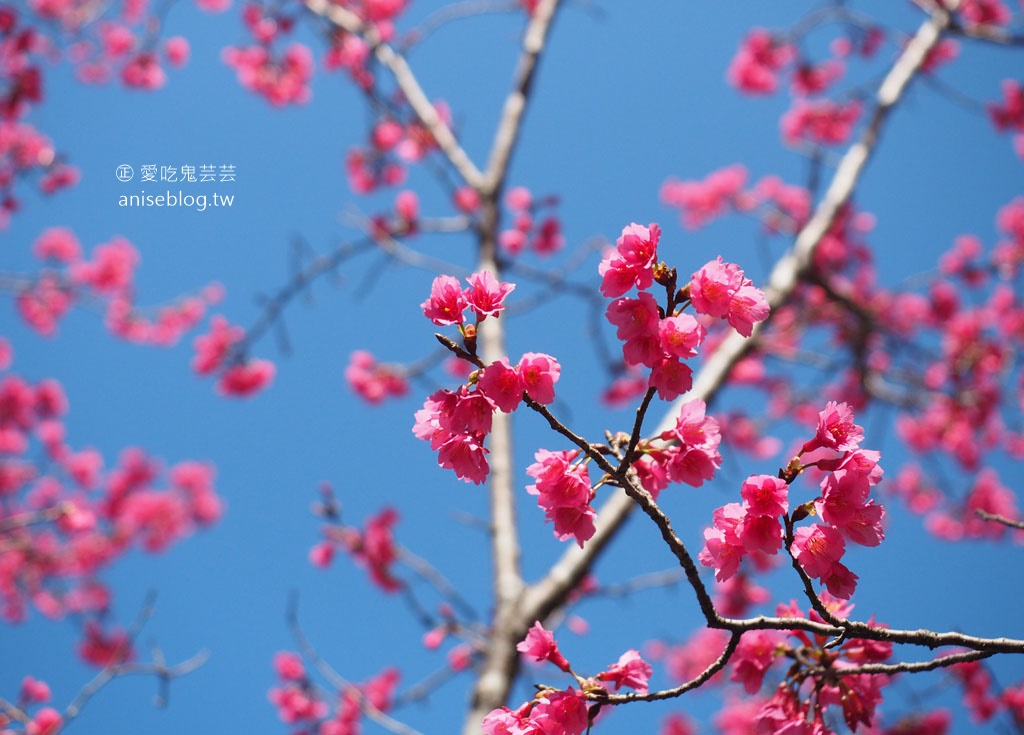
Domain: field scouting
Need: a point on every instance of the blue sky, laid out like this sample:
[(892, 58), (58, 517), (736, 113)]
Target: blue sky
[(628, 95)]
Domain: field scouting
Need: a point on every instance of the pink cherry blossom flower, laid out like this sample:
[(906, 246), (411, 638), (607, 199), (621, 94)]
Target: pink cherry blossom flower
[(754, 655), (632, 263), (519, 198), (289, 666), (677, 723), (540, 645), (699, 202), (111, 269), (723, 550), (386, 134), (812, 79), (671, 377), (574, 522), (34, 690), (447, 302), (560, 482), (694, 457), (473, 413), (103, 648), (720, 290), (736, 595), (213, 6), (624, 389), (176, 49), (539, 373), (467, 200), (246, 379), (373, 381), (407, 207), (322, 554), (747, 307), (379, 690), (212, 349), (840, 581), (765, 495), (504, 721), (561, 713), (817, 548), (512, 241), (433, 421), (46, 721), (59, 244), (375, 548), (986, 12), (629, 671), (680, 335), (466, 456), (43, 304), (637, 321), (712, 287), (486, 295), (755, 67), (836, 429), (760, 534), (823, 121), (548, 238), (564, 493), (501, 383)]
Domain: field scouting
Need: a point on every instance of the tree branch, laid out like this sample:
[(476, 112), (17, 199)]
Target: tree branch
[(346, 20), (507, 134), (995, 518)]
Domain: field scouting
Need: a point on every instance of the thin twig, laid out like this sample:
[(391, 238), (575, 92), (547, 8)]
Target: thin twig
[(336, 680), (996, 518)]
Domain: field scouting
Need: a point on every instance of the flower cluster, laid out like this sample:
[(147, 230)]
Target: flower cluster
[(393, 144), (563, 712), (760, 58), (687, 453), (817, 684), (661, 338), (373, 381), (456, 423), (65, 518), (301, 703), (844, 507), (810, 677), (721, 290), (448, 301), (373, 547), (824, 122), (543, 237), (700, 202), (108, 276), (218, 351), (1009, 116), (564, 493)]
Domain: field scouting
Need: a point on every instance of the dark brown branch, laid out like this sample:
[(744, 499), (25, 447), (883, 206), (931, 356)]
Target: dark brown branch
[(996, 518), (694, 683)]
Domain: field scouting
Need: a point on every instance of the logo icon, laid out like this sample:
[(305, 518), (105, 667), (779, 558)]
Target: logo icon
[(125, 172)]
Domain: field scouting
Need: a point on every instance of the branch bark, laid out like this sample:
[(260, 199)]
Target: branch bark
[(350, 22)]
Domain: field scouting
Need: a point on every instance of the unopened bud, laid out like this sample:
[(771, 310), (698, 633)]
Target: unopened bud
[(664, 275)]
